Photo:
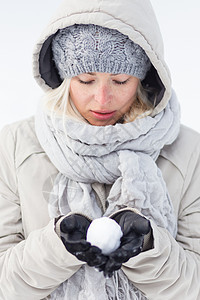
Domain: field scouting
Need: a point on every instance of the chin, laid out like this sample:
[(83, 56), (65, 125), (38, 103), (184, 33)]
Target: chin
[(106, 122)]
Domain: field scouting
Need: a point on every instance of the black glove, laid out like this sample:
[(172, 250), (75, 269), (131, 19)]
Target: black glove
[(134, 227), (73, 235)]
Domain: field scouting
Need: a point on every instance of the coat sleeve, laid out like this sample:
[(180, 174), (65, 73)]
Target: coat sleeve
[(171, 270), (29, 268)]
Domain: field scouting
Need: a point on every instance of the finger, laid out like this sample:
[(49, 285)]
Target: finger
[(111, 266), (83, 245), (142, 226), (132, 252), (128, 243), (108, 274), (101, 268), (76, 246), (126, 251), (119, 256), (95, 250), (139, 224), (131, 221), (96, 261), (95, 257), (69, 224), (135, 252), (81, 256)]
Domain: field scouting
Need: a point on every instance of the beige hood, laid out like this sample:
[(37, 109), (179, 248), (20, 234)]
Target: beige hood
[(134, 18)]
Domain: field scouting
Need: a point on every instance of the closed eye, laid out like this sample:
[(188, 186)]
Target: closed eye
[(121, 82), (85, 82)]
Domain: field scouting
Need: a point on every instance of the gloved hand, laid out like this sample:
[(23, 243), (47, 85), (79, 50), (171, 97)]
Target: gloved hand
[(73, 235), (134, 227)]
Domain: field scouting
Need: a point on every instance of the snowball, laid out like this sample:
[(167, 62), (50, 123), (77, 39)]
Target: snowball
[(104, 233)]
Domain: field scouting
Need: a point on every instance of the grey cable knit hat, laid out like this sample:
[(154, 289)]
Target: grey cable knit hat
[(91, 48)]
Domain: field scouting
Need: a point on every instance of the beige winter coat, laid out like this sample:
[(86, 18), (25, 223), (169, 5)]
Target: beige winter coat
[(33, 260)]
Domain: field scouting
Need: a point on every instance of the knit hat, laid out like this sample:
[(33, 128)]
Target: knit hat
[(91, 48)]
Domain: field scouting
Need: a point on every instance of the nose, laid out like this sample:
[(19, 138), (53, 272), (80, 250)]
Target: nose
[(103, 94)]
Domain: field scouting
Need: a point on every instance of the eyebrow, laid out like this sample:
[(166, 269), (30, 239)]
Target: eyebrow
[(92, 73)]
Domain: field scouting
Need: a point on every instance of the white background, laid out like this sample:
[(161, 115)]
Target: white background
[(23, 20)]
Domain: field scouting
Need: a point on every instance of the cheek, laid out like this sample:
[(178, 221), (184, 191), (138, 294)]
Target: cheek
[(75, 94), (73, 91), (128, 96), (80, 99), (132, 93)]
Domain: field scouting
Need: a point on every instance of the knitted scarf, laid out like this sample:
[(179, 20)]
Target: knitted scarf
[(121, 155)]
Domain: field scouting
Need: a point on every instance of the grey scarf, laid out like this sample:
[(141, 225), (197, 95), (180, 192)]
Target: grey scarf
[(122, 155)]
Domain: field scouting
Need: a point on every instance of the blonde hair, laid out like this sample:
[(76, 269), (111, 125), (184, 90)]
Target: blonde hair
[(141, 107), (58, 103)]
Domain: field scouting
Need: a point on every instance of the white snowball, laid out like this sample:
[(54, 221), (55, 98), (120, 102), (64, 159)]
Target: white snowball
[(104, 233)]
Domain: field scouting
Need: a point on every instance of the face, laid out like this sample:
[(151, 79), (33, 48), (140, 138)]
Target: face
[(103, 98)]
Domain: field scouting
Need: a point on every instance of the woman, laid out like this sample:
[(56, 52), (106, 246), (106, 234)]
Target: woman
[(106, 141)]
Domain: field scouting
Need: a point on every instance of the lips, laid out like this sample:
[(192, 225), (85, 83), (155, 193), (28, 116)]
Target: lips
[(102, 115)]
